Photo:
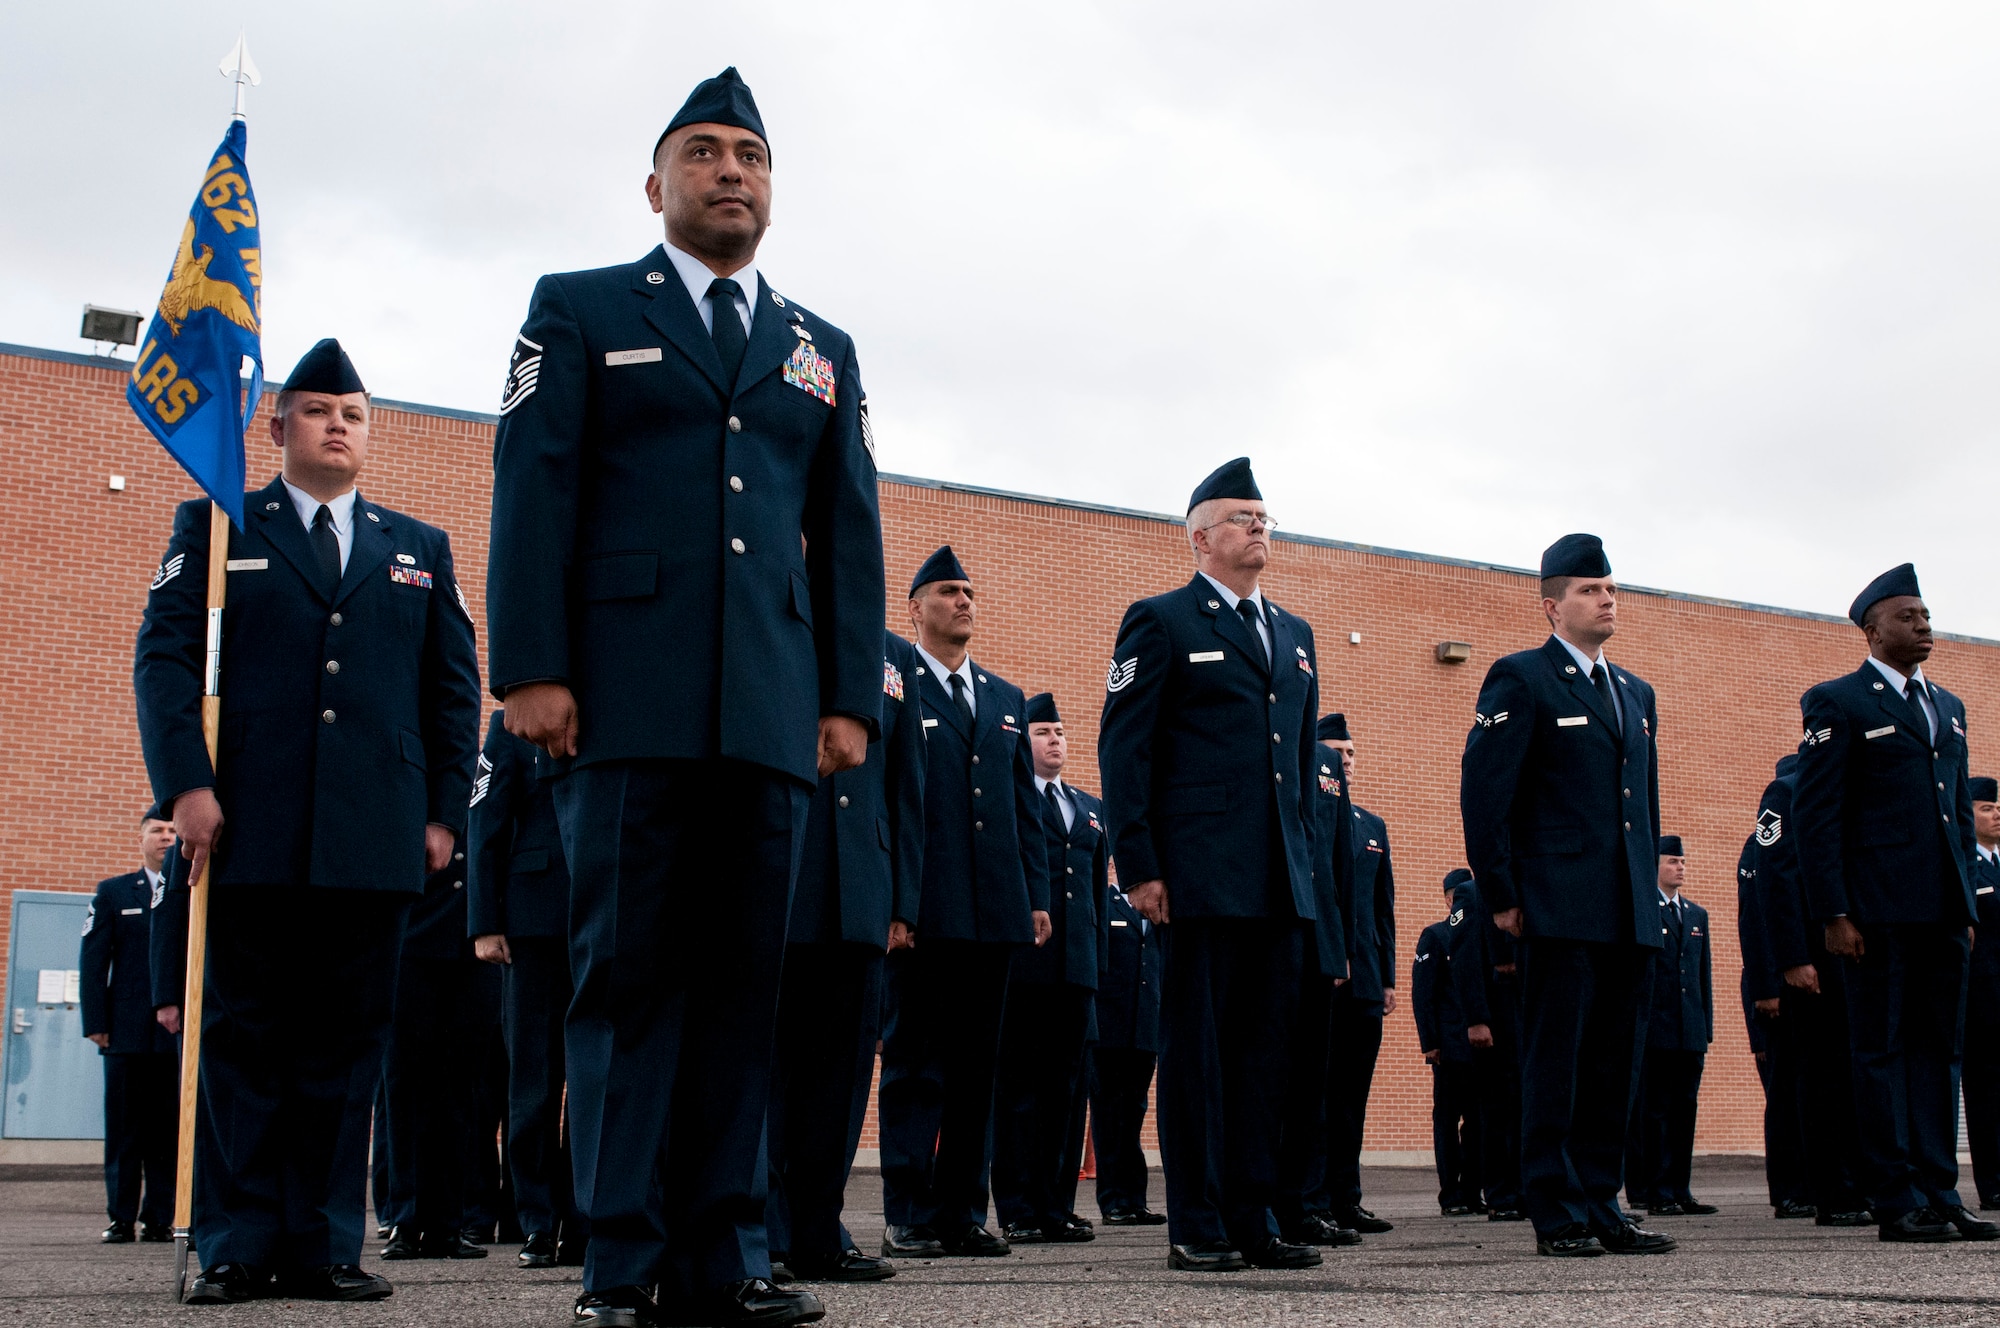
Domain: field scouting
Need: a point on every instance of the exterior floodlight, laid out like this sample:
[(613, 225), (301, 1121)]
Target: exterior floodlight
[(1453, 652), (120, 327)]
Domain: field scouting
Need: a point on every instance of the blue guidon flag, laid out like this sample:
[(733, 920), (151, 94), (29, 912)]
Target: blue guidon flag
[(186, 385)]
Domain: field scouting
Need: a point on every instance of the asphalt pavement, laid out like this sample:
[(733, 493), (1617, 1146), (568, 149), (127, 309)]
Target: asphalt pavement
[(1739, 1267)]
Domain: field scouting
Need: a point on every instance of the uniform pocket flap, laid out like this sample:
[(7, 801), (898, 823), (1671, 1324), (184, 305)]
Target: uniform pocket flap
[(620, 576), (1196, 799), (882, 832), (531, 860), (413, 749), (802, 599)]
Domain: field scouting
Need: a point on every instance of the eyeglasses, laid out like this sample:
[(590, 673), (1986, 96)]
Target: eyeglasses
[(1244, 520)]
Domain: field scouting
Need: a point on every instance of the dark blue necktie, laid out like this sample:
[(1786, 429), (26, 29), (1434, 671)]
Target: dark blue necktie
[(1252, 619), (727, 329), (326, 548)]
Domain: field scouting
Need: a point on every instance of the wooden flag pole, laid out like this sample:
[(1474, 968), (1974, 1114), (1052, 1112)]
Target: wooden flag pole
[(197, 933)]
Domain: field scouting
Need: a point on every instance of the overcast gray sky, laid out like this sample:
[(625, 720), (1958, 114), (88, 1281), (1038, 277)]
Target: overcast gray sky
[(1713, 281)]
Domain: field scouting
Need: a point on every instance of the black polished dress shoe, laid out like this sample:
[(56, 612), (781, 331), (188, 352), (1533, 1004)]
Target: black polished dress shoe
[(1079, 1220), (1569, 1242), (756, 1301), (1273, 1252), (1456, 1210), (1063, 1231), (1210, 1256), (971, 1242), (335, 1281), (1505, 1215), (1791, 1208), (155, 1233), (1922, 1227), (382, 1230), (850, 1265), (227, 1284), (1628, 1237), (1134, 1217), (1319, 1229), (404, 1243), (1665, 1210), (917, 1242), (617, 1307), (1022, 1233), (1695, 1208), (1843, 1217), (451, 1245), (1360, 1219), (538, 1251), (118, 1233), (781, 1272), (1970, 1227)]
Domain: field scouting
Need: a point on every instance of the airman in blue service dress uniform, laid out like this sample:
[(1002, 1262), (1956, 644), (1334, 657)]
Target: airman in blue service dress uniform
[(1485, 968), (142, 1091), (1679, 1028), (1122, 1061), (1883, 811), (860, 871), (985, 895), (1208, 757), (1560, 799), (1811, 1061), (1442, 1038), (350, 722), (1762, 995), (1051, 1001), (684, 489), (517, 911), (1982, 999)]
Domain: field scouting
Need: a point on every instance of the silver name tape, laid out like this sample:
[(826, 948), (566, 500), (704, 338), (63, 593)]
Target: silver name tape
[(1205, 656), (1882, 732), (648, 355), (248, 564), (1571, 721)]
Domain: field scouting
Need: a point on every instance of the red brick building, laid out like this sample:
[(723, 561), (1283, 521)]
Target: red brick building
[(1054, 578)]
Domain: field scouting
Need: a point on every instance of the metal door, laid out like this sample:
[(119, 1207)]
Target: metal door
[(54, 1081)]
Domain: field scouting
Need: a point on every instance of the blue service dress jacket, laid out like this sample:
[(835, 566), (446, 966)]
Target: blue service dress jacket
[(349, 719), (1883, 808), (1079, 899), (1475, 947), (1761, 979), (1560, 799), (986, 861), (1205, 748), (1434, 1003), (699, 560), (1789, 927), (117, 968), (863, 861), (1369, 909), (1128, 996), (519, 880), (1682, 1017), (1982, 995), (1333, 862)]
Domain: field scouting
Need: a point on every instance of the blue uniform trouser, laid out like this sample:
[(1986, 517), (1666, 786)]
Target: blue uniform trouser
[(1812, 1073), (1659, 1156), (1582, 1007), (680, 889), (940, 1046), (1355, 1046), (1905, 1022), (1982, 1102), (1455, 1132), (431, 1073), (1228, 1000), (829, 1017), (1498, 1070), (300, 982), (1041, 1064), (142, 1108), (1302, 1134), (1120, 1081), (534, 998)]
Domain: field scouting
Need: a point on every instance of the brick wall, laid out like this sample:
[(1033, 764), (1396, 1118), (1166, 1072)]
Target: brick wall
[(1053, 580)]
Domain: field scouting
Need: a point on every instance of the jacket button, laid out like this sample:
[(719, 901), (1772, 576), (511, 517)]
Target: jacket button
[(458, 885), (335, 620), (736, 545), (736, 484), (1940, 788), (735, 425), (458, 857), (1628, 825), (979, 825), (975, 758), (1069, 871), (326, 716), (1276, 738), (1272, 697), (1068, 895), (843, 799), (1628, 793), (333, 666), (1278, 775), (977, 793)]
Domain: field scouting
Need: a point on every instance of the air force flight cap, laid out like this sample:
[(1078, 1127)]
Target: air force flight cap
[(940, 566), (325, 368), (1231, 479), (724, 99), (1670, 847), (1331, 728), (1985, 788), (1041, 710), (1896, 581), (1456, 877), (1575, 555)]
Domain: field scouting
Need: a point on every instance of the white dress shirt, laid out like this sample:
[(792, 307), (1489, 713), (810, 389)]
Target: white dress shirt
[(1062, 798), (1232, 599), (943, 675), (1902, 686), (152, 878), (343, 516), (696, 276), (1586, 663)]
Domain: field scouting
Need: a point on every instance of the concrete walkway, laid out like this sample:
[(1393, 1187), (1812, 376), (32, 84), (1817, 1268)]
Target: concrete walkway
[(1740, 1267)]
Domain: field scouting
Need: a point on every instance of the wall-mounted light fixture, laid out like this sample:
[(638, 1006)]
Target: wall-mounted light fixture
[(1453, 652)]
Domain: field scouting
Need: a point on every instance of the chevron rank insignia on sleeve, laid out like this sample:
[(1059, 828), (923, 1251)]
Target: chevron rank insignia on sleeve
[(1120, 676), (89, 918), (524, 371), (169, 569), (484, 782), (1488, 721)]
